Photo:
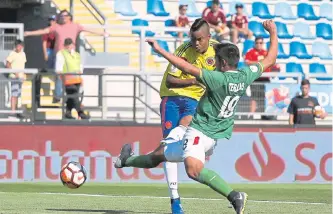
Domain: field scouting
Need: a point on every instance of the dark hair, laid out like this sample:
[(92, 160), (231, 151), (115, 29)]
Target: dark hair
[(68, 41), (239, 5), (305, 82), (19, 42), (216, 2), (258, 38), (198, 23), (228, 52), (182, 6), (66, 11)]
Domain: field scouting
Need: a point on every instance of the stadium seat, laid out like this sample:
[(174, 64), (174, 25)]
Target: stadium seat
[(321, 50), (284, 11), (209, 3), (232, 9), (261, 10), (283, 31), (326, 11), (241, 65), (248, 44), (162, 44), (292, 67), (156, 8), (124, 7), (192, 10), (306, 11), (316, 68), (140, 22), (303, 31), (258, 29), (324, 31), (281, 53), (170, 23), (298, 50)]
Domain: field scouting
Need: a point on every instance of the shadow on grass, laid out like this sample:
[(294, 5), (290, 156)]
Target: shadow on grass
[(96, 211)]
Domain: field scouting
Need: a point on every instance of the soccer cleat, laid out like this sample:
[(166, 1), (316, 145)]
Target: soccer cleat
[(239, 202), (176, 206), (125, 153)]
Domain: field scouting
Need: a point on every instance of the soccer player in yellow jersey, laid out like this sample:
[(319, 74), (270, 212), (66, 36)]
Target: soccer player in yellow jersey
[(180, 93)]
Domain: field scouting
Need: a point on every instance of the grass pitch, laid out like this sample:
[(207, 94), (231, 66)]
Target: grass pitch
[(153, 198)]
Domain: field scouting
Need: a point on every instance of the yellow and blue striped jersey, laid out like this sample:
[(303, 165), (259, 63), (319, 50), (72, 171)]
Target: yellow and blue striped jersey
[(204, 61)]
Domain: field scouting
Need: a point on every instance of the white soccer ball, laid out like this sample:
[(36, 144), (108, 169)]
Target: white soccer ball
[(73, 175)]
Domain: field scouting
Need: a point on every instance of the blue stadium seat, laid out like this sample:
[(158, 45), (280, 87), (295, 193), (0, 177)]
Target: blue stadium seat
[(316, 68), (283, 31), (292, 67), (124, 7), (192, 10), (298, 50), (162, 44), (140, 22), (261, 10), (303, 31), (326, 11), (306, 11), (284, 11), (324, 31), (209, 3), (258, 29), (321, 50), (170, 23), (232, 9), (241, 65), (248, 44), (156, 8), (281, 53)]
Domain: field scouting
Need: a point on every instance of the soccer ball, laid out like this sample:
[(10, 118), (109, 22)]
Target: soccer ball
[(73, 175), (318, 111)]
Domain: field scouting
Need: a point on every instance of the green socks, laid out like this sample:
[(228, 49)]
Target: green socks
[(142, 161), (214, 181)]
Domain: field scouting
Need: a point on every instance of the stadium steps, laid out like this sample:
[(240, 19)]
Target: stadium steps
[(86, 15)]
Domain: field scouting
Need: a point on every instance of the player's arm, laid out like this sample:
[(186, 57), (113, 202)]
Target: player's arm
[(37, 32), (174, 82), (176, 61), (291, 111), (270, 59), (323, 114)]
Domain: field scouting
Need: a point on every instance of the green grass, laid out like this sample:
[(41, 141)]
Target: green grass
[(27, 198)]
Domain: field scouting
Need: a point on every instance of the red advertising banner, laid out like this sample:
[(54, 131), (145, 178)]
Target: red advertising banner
[(36, 153)]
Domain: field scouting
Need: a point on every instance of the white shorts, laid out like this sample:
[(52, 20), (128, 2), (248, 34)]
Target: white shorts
[(194, 144)]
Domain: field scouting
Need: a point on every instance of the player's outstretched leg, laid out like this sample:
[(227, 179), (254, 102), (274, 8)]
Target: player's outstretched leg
[(127, 159), (195, 170)]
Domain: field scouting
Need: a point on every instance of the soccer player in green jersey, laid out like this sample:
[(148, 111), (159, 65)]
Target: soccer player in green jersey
[(214, 118)]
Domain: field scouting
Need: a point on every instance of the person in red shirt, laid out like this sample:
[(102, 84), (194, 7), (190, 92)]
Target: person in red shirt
[(258, 90), (48, 44), (216, 20), (240, 24), (182, 21)]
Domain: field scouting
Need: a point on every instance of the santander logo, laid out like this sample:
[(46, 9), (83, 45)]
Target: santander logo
[(260, 164)]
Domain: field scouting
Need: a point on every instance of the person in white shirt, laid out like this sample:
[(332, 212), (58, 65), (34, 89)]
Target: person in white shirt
[(16, 60)]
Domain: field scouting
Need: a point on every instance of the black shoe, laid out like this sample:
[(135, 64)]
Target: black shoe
[(239, 202), (20, 116), (56, 100), (69, 116), (84, 116), (125, 153)]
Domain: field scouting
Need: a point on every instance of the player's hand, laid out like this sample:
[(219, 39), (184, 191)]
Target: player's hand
[(26, 33), (153, 43), (270, 26)]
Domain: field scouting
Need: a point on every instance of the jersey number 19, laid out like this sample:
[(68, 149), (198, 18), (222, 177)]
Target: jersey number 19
[(228, 106)]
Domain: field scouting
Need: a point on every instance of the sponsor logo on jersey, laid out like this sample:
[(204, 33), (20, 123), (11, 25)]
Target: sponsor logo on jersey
[(254, 68), (168, 124), (210, 61)]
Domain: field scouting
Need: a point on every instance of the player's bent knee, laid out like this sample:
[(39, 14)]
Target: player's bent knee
[(193, 167)]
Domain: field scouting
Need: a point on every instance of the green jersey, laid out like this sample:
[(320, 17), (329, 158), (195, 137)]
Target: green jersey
[(216, 108)]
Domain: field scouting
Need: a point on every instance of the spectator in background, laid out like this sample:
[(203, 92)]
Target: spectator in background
[(182, 21), (48, 44), (257, 91), (216, 20), (301, 107), (240, 24), (16, 60), (68, 61)]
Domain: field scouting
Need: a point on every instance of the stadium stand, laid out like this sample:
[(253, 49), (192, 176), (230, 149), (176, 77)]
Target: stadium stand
[(124, 7), (284, 11), (248, 44), (326, 11), (192, 10), (261, 10), (156, 8), (324, 31), (303, 31), (321, 50), (316, 68), (283, 31), (258, 29), (281, 53), (298, 49), (305, 11), (143, 23), (292, 67)]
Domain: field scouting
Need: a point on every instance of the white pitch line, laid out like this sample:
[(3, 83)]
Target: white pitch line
[(159, 197)]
